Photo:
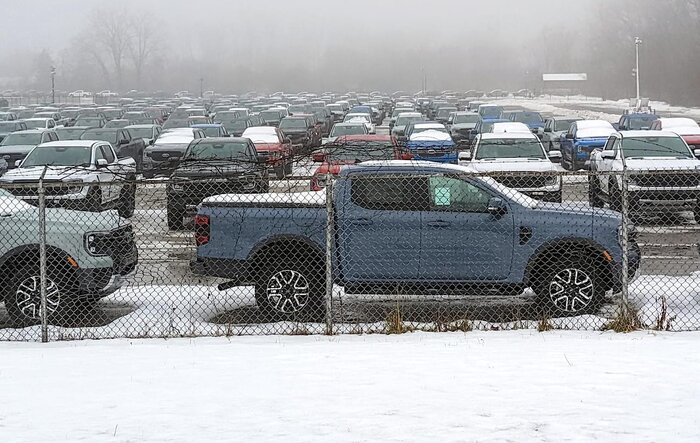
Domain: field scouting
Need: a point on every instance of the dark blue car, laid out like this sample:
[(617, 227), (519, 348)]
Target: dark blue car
[(583, 138)]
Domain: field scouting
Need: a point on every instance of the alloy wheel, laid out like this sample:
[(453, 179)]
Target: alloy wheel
[(571, 290), (288, 291)]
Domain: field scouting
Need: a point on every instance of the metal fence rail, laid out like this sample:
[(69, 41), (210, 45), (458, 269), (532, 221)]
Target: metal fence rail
[(385, 254)]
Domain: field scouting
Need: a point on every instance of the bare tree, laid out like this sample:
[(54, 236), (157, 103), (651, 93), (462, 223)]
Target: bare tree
[(108, 40), (141, 46)]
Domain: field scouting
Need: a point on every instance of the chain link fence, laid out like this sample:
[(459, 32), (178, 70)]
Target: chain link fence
[(382, 249)]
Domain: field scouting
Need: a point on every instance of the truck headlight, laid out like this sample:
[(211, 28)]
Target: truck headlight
[(553, 181)]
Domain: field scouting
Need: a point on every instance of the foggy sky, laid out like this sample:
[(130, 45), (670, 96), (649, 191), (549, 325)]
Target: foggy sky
[(201, 25)]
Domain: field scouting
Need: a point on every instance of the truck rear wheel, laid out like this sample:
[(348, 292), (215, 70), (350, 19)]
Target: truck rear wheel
[(291, 290), (176, 214)]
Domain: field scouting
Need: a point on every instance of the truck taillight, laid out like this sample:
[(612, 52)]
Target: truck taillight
[(201, 230)]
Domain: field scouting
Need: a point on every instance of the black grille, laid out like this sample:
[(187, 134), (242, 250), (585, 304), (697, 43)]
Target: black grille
[(666, 180), (32, 190), (164, 156), (116, 244), (523, 182)]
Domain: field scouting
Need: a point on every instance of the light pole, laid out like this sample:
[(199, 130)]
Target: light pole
[(53, 85), (637, 44)]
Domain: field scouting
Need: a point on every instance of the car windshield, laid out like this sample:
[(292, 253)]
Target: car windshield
[(270, 115), (340, 130), (34, 123), (296, 123), (69, 133), (59, 156), (509, 148), (105, 136), (405, 120), (218, 151), (235, 125), (528, 117), (8, 126), (141, 132), (673, 147), (466, 118), (641, 122), (19, 138), (88, 121), (360, 152), (491, 112), (563, 125), (445, 112), (211, 131)]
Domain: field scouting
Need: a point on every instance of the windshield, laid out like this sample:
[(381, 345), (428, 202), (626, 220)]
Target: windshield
[(8, 126), (88, 121), (563, 125), (360, 152), (340, 130), (18, 138), (141, 132), (641, 122), (403, 121), (445, 112), (509, 148), (211, 132), (105, 136), (218, 151), (490, 112), (673, 147), (292, 123), (59, 156), (69, 133), (528, 117), (33, 123), (466, 118), (235, 125), (270, 115)]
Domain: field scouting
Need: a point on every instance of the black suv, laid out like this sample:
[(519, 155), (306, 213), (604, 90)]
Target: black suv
[(214, 166)]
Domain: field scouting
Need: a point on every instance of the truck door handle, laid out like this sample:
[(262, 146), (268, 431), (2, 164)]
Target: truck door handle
[(361, 222), (439, 224)]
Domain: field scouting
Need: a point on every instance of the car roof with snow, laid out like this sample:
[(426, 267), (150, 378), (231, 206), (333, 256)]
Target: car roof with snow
[(510, 135), (72, 143), (589, 124), (429, 126), (679, 122), (510, 127)]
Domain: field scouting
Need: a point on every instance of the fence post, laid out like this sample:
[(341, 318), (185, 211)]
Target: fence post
[(42, 258), (626, 311), (330, 233)]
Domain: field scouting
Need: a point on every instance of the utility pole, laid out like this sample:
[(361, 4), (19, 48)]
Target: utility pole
[(53, 85), (637, 43)]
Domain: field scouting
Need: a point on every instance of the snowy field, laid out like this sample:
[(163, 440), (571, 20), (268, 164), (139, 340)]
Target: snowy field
[(452, 387)]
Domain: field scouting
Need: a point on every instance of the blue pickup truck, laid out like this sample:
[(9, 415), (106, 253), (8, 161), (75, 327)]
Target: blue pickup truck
[(417, 227), (582, 138)]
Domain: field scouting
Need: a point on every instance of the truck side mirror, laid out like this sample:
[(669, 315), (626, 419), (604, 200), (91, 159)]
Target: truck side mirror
[(555, 156), (569, 136), (547, 129), (465, 156), (607, 155), (101, 163), (696, 152)]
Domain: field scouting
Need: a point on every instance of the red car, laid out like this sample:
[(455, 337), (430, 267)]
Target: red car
[(687, 128), (270, 141), (352, 149)]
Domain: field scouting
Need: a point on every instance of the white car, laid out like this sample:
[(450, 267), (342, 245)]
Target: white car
[(342, 129), (663, 173), (80, 93), (107, 93), (40, 123), (510, 128), (518, 161), (366, 119)]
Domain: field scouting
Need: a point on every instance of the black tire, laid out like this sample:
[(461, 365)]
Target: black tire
[(291, 290), (127, 201), (93, 201), (279, 172), (176, 215), (569, 285), (289, 168), (23, 299), (594, 198), (615, 196)]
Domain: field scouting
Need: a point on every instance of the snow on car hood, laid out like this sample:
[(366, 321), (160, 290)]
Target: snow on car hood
[(52, 173), (686, 130), (513, 165), (660, 164), (431, 135)]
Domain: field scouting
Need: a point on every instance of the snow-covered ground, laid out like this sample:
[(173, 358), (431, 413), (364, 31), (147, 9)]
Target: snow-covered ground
[(452, 387)]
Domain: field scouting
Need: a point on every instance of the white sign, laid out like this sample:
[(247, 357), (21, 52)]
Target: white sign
[(564, 77)]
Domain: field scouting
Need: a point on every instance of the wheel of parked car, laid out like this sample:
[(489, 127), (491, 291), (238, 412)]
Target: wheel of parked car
[(594, 192), (127, 201), (23, 299), (289, 168), (615, 195), (94, 200), (176, 214), (291, 291), (570, 286)]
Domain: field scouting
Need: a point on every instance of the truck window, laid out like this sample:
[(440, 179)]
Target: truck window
[(456, 195), (391, 193), (107, 154)]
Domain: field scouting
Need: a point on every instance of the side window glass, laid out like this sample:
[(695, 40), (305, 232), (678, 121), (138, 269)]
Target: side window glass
[(99, 154), (616, 146), (107, 153), (390, 193), (609, 144), (456, 195)]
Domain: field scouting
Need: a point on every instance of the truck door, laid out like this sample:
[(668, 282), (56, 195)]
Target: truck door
[(462, 241), (379, 227)]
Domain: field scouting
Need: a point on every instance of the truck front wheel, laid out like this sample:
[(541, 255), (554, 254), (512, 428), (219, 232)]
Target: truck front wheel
[(569, 285), (291, 291)]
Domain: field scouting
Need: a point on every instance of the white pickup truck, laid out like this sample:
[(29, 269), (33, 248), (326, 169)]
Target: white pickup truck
[(518, 161), (79, 175), (664, 173)]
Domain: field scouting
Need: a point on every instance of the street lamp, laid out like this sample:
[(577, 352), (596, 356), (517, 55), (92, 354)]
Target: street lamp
[(637, 43), (53, 85)]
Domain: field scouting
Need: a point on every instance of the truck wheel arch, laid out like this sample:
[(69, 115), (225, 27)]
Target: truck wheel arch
[(550, 251), (297, 246), (30, 253)]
